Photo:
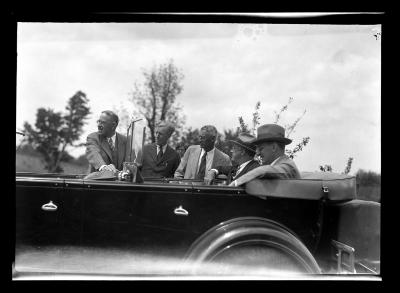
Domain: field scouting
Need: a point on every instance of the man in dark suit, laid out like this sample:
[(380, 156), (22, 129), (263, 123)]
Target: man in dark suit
[(270, 147), (243, 152), (198, 160), (159, 159), (106, 149)]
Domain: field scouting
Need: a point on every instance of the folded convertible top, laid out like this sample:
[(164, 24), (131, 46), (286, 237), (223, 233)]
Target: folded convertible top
[(312, 185)]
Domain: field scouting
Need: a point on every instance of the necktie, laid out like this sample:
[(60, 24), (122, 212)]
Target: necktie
[(238, 170), (111, 143), (160, 153), (235, 173), (202, 168)]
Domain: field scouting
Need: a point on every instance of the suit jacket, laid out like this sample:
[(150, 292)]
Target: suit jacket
[(230, 171), (98, 151), (284, 167), (159, 169), (188, 166)]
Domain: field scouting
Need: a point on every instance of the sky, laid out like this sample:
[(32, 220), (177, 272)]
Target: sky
[(333, 72)]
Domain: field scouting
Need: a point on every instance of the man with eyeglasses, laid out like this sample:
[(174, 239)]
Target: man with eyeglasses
[(106, 149)]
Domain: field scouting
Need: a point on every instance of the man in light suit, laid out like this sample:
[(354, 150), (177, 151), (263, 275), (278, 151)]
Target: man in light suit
[(159, 159), (270, 147), (198, 160), (106, 149)]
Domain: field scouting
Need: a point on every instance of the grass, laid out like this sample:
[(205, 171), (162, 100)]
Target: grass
[(369, 192), (29, 163)]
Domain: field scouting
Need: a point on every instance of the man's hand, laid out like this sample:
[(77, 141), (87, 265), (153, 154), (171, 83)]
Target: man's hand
[(110, 167), (209, 178), (233, 184)]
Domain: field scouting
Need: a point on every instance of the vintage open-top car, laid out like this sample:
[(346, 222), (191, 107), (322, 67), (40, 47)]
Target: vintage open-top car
[(66, 224)]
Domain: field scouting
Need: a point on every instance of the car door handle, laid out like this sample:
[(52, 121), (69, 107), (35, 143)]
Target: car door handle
[(50, 206), (181, 211)]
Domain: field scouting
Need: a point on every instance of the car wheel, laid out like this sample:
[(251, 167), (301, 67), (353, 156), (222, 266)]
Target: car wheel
[(251, 250)]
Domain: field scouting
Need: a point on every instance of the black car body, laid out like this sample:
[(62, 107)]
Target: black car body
[(313, 225)]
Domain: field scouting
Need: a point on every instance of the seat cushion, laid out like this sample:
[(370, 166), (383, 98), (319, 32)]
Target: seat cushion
[(311, 186)]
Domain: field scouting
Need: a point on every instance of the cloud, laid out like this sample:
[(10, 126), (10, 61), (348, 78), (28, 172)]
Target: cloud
[(87, 32), (332, 73)]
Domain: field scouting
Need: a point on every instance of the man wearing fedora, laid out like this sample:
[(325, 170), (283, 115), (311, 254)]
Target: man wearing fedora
[(159, 159), (198, 160), (243, 153), (106, 149), (270, 147)]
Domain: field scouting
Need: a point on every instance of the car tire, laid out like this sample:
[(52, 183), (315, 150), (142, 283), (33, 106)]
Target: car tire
[(250, 246)]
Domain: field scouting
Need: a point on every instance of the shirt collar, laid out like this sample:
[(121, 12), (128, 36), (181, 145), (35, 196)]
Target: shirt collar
[(113, 137), (273, 163), (241, 166), (164, 147), (208, 153)]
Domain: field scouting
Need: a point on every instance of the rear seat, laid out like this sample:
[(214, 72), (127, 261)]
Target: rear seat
[(312, 185)]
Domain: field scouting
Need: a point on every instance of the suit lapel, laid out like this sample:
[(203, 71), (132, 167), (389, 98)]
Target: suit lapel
[(167, 154), (106, 147), (195, 160), (153, 152), (251, 165), (216, 158), (281, 158)]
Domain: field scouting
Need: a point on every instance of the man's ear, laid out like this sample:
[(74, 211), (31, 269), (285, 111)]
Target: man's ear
[(274, 147)]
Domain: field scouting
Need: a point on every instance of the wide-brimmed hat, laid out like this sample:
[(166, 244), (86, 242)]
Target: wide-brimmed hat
[(271, 132), (245, 140), (102, 175)]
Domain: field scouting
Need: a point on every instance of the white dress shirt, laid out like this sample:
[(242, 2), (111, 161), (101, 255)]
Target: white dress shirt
[(273, 163), (241, 167), (113, 139), (164, 148)]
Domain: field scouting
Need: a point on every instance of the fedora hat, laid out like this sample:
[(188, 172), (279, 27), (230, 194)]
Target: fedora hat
[(245, 140), (271, 132), (102, 175)]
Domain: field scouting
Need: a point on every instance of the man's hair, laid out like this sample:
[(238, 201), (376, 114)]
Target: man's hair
[(170, 127), (113, 116), (210, 129)]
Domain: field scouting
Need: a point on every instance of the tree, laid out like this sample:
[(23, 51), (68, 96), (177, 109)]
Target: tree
[(368, 177), (191, 136), (289, 128), (55, 131), (368, 185), (224, 142), (255, 121), (326, 168), (348, 166), (155, 98)]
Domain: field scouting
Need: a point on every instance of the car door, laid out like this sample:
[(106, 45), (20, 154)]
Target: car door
[(37, 223), (145, 218), (37, 213), (163, 222), (108, 214)]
